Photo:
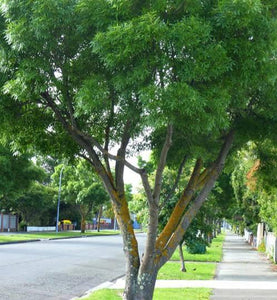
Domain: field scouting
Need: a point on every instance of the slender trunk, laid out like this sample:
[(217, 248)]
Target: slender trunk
[(99, 218), (83, 224), (183, 267)]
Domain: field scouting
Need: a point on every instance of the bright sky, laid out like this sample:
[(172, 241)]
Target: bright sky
[(129, 175)]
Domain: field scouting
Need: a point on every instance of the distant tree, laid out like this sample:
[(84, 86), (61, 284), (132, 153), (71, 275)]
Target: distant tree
[(82, 189), (17, 172), (37, 206)]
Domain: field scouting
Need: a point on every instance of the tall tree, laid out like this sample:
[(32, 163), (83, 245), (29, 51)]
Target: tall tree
[(183, 77)]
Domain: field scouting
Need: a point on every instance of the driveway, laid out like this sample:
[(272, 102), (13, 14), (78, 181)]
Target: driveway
[(60, 269)]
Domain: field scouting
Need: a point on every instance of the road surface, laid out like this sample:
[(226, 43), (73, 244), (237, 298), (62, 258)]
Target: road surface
[(60, 269)]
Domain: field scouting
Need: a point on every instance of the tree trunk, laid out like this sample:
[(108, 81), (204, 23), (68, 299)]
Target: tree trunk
[(143, 287), (83, 224), (183, 267), (99, 218)]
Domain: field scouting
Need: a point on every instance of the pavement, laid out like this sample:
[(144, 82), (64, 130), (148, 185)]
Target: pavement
[(243, 274), (250, 273)]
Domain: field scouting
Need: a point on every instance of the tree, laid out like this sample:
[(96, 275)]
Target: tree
[(81, 188), (254, 186), (183, 78), (17, 173), (21, 188), (36, 205)]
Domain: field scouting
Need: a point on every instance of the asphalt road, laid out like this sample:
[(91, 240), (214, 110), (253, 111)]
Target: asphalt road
[(60, 269)]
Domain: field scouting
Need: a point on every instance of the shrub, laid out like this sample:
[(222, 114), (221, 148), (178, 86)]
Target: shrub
[(261, 247), (196, 247)]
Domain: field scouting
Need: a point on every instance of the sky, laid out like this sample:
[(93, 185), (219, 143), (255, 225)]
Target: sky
[(129, 175)]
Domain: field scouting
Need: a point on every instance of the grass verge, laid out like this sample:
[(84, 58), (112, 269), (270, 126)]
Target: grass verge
[(159, 294), (50, 235), (195, 271), (213, 253)]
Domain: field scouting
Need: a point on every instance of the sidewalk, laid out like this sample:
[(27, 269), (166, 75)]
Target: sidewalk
[(244, 274), (249, 274)]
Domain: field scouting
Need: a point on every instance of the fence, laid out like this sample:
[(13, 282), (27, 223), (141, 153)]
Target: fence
[(40, 228), (8, 223), (269, 238), (250, 238), (270, 245)]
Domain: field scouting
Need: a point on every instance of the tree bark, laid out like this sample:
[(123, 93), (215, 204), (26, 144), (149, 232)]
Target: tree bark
[(83, 224), (183, 267), (144, 285), (99, 218)]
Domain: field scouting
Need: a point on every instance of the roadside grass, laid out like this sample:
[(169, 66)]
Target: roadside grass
[(159, 294), (51, 235), (199, 267), (213, 253), (195, 271)]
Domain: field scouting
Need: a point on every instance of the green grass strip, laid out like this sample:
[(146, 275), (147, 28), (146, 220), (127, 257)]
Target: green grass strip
[(195, 271), (159, 294), (213, 253), (50, 235)]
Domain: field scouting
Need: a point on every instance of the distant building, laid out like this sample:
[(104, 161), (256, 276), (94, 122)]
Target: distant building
[(8, 222)]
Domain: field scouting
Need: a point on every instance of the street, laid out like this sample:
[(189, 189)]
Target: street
[(60, 269)]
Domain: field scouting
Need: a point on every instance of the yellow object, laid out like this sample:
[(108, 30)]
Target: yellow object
[(66, 222)]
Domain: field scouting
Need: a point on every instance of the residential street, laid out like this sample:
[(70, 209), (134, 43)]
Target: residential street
[(60, 269)]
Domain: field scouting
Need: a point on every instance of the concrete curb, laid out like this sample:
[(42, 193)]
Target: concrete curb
[(20, 242)]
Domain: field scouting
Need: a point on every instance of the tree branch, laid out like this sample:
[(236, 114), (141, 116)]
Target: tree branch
[(153, 203), (109, 155), (161, 165), (119, 166), (177, 179), (199, 200), (107, 133), (180, 207)]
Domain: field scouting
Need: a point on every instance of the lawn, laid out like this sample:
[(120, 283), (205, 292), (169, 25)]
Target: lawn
[(51, 235), (159, 294), (195, 271), (213, 254)]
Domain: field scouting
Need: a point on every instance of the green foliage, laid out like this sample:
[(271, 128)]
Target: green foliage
[(196, 246), (36, 205), (22, 191), (246, 209), (81, 188), (17, 173), (188, 61)]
